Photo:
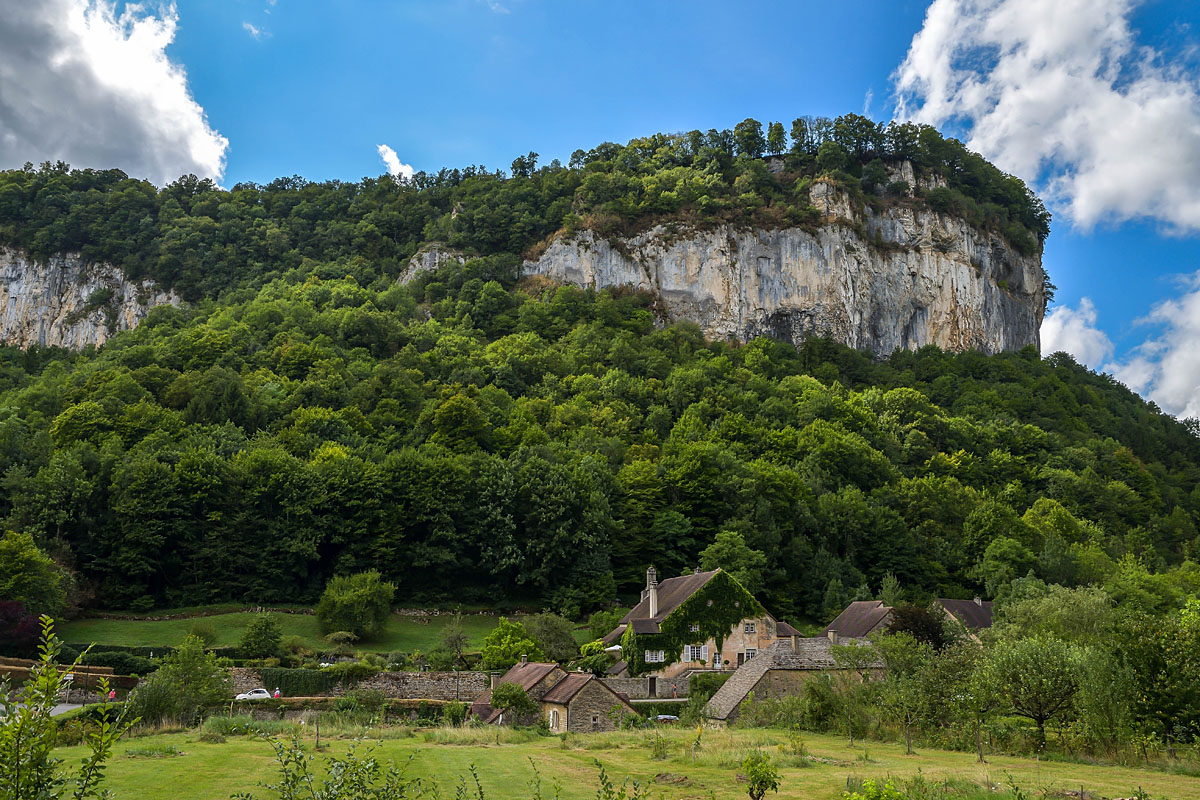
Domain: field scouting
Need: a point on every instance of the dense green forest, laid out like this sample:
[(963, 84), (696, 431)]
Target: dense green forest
[(477, 439), (202, 240)]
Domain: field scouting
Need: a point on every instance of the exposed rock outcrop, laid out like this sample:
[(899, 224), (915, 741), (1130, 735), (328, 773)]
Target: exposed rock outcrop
[(429, 258), (67, 302), (902, 278)]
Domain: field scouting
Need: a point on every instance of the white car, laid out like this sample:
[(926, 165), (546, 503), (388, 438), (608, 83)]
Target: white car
[(254, 694)]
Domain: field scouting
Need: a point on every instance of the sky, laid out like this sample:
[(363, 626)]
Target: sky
[(1094, 103)]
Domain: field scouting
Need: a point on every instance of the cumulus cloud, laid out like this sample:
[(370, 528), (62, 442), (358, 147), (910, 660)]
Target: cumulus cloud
[(1166, 368), (1061, 94), (82, 83), (1074, 331), (394, 167)]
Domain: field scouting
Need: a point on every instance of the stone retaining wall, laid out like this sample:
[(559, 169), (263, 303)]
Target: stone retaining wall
[(464, 686)]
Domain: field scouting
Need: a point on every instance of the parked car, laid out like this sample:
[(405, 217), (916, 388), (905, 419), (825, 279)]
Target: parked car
[(666, 719), (254, 694)]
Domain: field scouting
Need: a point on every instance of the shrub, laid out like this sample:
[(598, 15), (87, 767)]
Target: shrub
[(455, 712), (705, 684), (187, 680), (351, 671), (357, 603), (761, 775), (204, 631), (601, 623), (261, 637), (513, 702)]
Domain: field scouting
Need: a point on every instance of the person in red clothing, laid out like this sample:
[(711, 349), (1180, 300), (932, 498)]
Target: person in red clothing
[(112, 695), (276, 692)]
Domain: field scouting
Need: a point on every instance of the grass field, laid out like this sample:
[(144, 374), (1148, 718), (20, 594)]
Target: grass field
[(505, 759), (404, 633)]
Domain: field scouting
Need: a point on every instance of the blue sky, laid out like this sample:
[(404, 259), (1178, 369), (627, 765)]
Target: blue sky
[(313, 88)]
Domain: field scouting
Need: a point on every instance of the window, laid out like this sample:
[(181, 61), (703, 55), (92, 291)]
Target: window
[(695, 627), (554, 719), (696, 652), (749, 626), (655, 657), (751, 652), (595, 720)]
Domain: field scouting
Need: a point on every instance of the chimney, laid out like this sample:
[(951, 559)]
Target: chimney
[(833, 637), (524, 658), (978, 602), (795, 643), (652, 591)]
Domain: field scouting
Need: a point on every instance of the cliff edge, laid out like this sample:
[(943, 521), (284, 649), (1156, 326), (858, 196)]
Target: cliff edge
[(902, 277), (67, 302)]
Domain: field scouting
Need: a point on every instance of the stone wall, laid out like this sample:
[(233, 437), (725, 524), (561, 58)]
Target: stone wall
[(639, 688), (464, 686)]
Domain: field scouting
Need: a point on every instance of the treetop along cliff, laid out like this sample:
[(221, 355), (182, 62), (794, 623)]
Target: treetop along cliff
[(201, 240)]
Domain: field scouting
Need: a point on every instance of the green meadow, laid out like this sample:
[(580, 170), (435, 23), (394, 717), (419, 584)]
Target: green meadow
[(178, 766)]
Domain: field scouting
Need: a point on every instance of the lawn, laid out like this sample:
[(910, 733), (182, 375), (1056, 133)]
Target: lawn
[(404, 633), (505, 759)]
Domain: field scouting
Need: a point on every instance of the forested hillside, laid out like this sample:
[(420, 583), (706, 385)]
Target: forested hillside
[(478, 439)]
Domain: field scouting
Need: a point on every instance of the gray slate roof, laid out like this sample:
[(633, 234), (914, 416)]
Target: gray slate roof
[(860, 618)]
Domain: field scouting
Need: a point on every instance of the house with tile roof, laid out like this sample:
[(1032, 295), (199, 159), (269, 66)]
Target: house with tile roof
[(705, 621), (972, 615), (578, 702), (782, 669)]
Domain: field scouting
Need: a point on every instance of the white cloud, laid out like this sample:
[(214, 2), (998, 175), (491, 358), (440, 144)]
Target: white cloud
[(394, 167), (251, 29), (1060, 93), (495, 6), (1166, 368), (83, 84), (1074, 331)]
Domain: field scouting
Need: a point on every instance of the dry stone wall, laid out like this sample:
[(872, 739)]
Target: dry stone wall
[(463, 686)]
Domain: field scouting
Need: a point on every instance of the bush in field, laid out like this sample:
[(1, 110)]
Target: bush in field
[(357, 603), (261, 638), (187, 680), (761, 775)]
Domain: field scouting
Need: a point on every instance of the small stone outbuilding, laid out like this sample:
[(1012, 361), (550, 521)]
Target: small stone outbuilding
[(578, 702)]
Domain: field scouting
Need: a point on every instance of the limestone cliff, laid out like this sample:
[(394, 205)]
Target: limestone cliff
[(903, 277), (67, 302)]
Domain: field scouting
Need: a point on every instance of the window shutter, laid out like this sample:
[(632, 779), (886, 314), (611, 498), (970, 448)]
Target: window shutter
[(704, 653)]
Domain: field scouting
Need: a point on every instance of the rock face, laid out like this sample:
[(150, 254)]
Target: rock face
[(67, 302), (903, 278)]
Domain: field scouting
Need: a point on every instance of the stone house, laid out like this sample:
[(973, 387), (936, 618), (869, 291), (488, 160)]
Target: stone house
[(578, 702), (748, 635), (780, 671), (865, 617)]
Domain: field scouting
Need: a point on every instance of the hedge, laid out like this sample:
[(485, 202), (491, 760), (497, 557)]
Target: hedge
[(296, 682)]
